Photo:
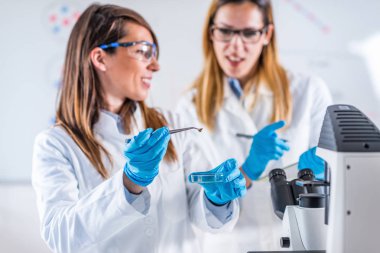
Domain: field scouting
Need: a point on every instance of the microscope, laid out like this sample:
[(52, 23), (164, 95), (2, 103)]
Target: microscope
[(300, 204), (340, 214), (350, 144)]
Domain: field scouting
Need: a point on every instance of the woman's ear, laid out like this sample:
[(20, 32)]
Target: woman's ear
[(97, 56), (268, 34)]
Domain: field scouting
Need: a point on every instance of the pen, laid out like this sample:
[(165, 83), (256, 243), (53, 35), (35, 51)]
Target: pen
[(248, 136)]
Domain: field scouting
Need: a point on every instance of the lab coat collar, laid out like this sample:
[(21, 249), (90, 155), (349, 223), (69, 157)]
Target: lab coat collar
[(235, 87), (234, 107), (111, 124), (263, 90), (228, 92)]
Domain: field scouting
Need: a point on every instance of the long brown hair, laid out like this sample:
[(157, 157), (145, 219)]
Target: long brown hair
[(209, 85), (80, 96)]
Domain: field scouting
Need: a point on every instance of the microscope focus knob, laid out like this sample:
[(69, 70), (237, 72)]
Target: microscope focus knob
[(285, 242)]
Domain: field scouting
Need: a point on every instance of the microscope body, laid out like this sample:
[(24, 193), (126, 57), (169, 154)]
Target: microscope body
[(300, 204), (349, 221), (354, 208), (350, 144), (303, 229)]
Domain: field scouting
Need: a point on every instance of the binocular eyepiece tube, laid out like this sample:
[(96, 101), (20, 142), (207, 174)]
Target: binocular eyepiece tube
[(285, 193)]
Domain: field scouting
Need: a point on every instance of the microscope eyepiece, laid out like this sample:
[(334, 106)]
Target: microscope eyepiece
[(277, 175), (285, 193), (305, 174)]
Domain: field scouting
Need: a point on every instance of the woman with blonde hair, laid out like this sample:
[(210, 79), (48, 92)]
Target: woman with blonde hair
[(109, 176), (255, 111)]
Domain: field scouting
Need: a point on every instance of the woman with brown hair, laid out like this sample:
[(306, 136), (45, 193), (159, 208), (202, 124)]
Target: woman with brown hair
[(103, 183), (243, 97)]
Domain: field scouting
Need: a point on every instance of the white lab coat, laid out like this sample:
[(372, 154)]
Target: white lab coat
[(82, 212), (258, 228)]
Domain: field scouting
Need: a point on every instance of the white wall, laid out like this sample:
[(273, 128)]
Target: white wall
[(336, 39), (19, 229), (32, 50)]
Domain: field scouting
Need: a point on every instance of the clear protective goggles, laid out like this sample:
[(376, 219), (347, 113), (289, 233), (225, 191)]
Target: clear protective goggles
[(141, 50)]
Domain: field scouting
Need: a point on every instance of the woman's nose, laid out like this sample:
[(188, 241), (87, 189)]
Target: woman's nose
[(236, 42), (154, 65)]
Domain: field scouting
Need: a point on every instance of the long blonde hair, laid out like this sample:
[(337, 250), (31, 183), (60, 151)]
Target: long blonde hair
[(209, 85), (80, 96)]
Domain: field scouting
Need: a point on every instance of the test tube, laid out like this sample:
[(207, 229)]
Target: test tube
[(204, 177)]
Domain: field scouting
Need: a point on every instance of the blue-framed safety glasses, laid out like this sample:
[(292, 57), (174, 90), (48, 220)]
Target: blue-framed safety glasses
[(140, 50)]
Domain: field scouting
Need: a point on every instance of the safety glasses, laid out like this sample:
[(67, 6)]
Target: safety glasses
[(248, 35), (140, 50)]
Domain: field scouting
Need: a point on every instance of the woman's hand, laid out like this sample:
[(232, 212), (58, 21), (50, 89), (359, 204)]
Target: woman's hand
[(232, 187), (144, 154), (309, 160), (266, 146)]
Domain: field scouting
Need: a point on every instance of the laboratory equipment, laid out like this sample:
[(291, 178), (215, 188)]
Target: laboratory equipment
[(205, 177), (286, 193), (232, 186), (349, 220), (310, 160), (350, 145), (287, 167), (173, 131), (300, 204)]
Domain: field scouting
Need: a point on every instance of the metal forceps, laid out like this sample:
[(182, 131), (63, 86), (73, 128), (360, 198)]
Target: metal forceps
[(173, 131)]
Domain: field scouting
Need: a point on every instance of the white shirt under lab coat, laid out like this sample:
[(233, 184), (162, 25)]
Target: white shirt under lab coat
[(82, 212), (258, 228)]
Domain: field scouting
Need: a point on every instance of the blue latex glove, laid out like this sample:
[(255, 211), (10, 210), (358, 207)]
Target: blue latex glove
[(144, 153), (231, 188), (309, 160), (266, 146)]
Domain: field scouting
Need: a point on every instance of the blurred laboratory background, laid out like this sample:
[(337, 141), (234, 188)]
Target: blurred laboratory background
[(338, 40)]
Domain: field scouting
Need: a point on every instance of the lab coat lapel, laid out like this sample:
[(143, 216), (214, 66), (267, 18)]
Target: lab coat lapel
[(240, 118), (262, 111), (107, 125), (111, 137), (261, 114), (108, 130)]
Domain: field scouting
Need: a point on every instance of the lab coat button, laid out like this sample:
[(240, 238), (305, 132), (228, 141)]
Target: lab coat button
[(148, 220), (149, 231)]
